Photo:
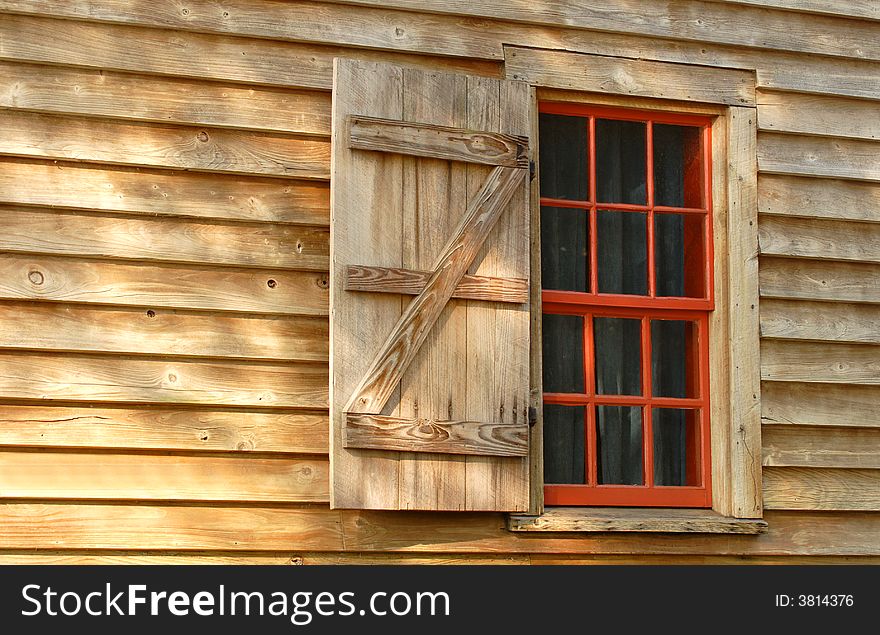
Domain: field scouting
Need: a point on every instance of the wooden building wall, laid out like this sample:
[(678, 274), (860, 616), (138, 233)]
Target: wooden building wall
[(164, 204)]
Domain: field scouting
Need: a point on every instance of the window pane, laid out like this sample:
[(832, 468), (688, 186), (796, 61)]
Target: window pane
[(563, 155), (679, 257), (618, 356), (563, 337), (622, 254), (564, 249), (619, 437), (621, 162), (676, 446), (678, 166), (674, 358), (564, 444)]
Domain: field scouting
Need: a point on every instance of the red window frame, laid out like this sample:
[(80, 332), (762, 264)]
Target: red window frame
[(646, 308)]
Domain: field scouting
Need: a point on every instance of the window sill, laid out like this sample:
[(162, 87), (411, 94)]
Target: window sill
[(613, 519)]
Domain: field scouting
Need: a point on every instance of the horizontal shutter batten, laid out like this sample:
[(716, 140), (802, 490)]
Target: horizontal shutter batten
[(438, 142), (449, 437)]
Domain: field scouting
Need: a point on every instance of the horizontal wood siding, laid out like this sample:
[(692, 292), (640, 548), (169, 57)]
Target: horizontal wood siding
[(164, 198)]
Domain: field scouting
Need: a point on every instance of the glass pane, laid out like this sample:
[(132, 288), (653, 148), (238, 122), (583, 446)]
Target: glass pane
[(676, 446), (619, 440), (563, 337), (679, 257), (565, 249), (564, 444), (563, 157), (621, 162), (678, 166), (622, 252), (618, 356), (674, 358)]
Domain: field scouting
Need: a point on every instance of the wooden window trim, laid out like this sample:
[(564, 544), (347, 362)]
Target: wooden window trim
[(734, 344)]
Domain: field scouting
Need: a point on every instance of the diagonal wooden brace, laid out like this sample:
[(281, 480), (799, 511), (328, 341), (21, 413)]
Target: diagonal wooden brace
[(411, 330)]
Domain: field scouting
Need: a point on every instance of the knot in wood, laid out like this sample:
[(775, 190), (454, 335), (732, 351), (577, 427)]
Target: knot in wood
[(485, 146), (202, 136), (36, 277)]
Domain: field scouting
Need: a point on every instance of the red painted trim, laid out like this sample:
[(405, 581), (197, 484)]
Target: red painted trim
[(697, 493)]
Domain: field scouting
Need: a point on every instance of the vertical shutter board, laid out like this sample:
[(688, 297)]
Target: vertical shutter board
[(371, 205), (456, 364), (499, 361), (434, 200)]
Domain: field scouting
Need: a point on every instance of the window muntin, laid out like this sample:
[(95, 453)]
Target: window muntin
[(626, 265)]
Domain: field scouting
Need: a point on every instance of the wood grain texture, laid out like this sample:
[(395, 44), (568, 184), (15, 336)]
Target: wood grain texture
[(173, 52), (135, 557), (445, 437), (46, 231), (818, 198), (821, 446), (163, 193), (30, 277), (400, 348), (55, 326), (124, 96), (818, 156), (819, 238), (744, 331), (818, 115), (819, 280), (412, 282), (237, 529), (646, 78), (851, 8), (821, 489), (820, 404), (103, 476), (160, 145), (438, 142), (599, 519), (820, 362), (676, 20), (163, 428), (820, 321), (90, 379)]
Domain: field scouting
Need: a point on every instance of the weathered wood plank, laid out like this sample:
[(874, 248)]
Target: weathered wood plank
[(35, 38), (820, 404), (140, 557), (412, 282), (821, 446), (150, 477), (743, 330), (819, 156), (437, 142), (818, 115), (820, 321), (24, 277), (163, 193), (236, 529), (53, 377), (819, 238), (646, 78), (103, 93), (813, 362), (446, 437), (594, 519), (818, 198), (866, 9), (163, 428), (819, 280), (391, 361), (671, 19), (144, 527), (821, 489), (42, 231), (46, 326), (158, 145)]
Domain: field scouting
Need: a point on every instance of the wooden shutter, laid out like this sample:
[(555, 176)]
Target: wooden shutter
[(429, 298)]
